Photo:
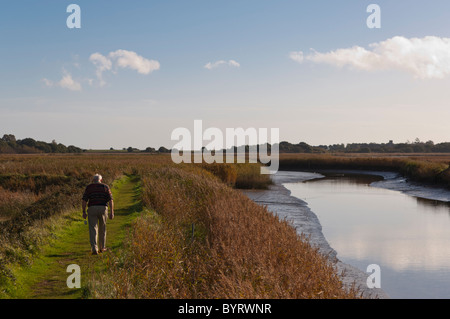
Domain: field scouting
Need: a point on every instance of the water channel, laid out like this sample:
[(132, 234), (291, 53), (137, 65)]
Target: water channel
[(407, 236)]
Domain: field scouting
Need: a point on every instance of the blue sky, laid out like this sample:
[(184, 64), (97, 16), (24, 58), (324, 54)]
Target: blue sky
[(50, 87)]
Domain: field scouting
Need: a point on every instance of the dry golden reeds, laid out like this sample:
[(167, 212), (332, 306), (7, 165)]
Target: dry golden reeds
[(211, 241)]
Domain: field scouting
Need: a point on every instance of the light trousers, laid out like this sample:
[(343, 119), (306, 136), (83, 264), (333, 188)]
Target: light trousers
[(97, 216)]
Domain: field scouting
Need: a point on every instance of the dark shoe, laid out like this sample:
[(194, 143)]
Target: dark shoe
[(103, 250), (94, 252)]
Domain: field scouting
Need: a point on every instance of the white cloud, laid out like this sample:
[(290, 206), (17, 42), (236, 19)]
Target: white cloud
[(213, 65), (424, 58), (297, 56), (102, 63), (233, 63), (122, 59), (67, 82), (130, 59), (47, 82)]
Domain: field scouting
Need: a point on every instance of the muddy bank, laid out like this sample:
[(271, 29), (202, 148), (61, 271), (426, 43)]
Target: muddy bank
[(402, 184), (278, 200)]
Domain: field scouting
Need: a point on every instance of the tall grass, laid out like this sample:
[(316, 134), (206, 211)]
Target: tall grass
[(210, 241), (240, 175), (12, 203)]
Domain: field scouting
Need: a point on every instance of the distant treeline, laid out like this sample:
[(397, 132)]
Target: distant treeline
[(9, 145), (409, 147), (130, 149)]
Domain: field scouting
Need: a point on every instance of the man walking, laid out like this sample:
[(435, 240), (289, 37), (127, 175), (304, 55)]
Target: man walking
[(97, 196)]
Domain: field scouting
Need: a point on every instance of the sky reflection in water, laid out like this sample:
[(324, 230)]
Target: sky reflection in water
[(408, 237)]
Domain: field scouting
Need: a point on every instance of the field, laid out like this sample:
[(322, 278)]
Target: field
[(181, 231)]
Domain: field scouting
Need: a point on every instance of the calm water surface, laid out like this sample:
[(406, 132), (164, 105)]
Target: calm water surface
[(408, 237)]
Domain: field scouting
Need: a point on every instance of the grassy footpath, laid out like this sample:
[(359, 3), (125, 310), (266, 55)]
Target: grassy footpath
[(46, 278)]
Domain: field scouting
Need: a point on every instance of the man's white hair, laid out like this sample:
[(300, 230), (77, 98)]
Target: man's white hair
[(97, 178)]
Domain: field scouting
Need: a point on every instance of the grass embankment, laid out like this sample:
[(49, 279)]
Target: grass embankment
[(46, 277), (420, 168)]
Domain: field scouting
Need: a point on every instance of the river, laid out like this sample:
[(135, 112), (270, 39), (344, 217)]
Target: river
[(365, 218)]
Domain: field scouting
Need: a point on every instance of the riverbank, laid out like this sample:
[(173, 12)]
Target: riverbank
[(278, 200)]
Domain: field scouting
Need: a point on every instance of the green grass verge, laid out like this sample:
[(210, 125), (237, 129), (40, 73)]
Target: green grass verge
[(46, 277)]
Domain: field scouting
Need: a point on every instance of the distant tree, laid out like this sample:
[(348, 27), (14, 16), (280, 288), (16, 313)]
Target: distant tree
[(130, 149), (73, 149), (5, 148), (364, 149), (53, 145), (61, 148), (337, 148), (150, 150), (442, 147), (28, 142), (45, 147), (162, 149), (303, 147), (9, 138), (418, 148)]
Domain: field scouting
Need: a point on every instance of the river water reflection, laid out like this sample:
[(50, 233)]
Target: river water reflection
[(408, 237)]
